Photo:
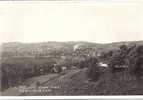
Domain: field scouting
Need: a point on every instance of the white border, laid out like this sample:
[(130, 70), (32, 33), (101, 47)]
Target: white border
[(68, 3)]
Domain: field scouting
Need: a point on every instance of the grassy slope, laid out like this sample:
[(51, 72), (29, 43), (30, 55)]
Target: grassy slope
[(75, 83)]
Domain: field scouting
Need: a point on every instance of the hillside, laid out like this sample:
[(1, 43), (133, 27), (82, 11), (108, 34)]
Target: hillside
[(51, 47), (75, 82), (23, 67)]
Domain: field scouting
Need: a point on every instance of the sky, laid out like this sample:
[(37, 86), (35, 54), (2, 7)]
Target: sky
[(93, 21)]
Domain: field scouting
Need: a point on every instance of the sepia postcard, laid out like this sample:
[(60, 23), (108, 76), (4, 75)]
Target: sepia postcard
[(71, 48)]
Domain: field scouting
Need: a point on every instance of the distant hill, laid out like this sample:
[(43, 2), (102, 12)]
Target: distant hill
[(21, 49)]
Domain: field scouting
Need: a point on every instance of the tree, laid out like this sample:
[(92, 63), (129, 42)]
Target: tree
[(118, 59), (135, 61), (93, 72)]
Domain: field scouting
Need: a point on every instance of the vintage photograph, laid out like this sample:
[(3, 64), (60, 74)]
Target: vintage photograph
[(64, 48)]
